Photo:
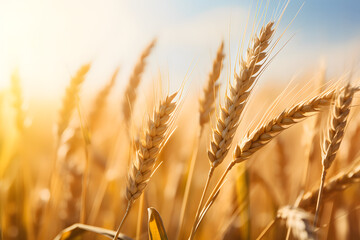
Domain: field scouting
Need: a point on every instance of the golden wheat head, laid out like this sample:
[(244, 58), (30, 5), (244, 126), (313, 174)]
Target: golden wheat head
[(263, 134), (155, 136), (211, 89), (237, 97), (134, 81), (70, 98)]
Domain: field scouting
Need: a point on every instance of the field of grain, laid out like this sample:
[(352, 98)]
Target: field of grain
[(234, 160)]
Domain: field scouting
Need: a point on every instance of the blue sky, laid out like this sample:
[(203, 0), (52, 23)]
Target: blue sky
[(48, 40), (332, 20)]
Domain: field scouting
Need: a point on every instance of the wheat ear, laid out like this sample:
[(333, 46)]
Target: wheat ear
[(211, 89), (206, 108), (235, 101), (334, 136), (100, 100), (228, 120), (340, 182), (70, 98), (263, 134), (134, 81), (69, 104), (155, 136), (269, 130), (298, 221)]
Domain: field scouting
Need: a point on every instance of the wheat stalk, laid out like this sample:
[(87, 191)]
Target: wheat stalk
[(71, 175), (211, 89), (205, 110), (155, 136), (134, 81), (235, 101), (69, 104), (237, 97), (334, 136), (70, 98)]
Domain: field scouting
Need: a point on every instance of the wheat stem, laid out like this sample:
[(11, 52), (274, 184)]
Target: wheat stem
[(129, 205), (140, 217), (210, 174), (323, 176), (84, 186), (188, 185), (266, 229)]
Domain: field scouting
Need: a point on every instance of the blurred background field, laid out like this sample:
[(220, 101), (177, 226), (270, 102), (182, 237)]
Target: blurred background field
[(44, 44)]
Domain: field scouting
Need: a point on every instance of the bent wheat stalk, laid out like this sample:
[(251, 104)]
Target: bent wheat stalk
[(235, 101), (155, 136), (334, 136)]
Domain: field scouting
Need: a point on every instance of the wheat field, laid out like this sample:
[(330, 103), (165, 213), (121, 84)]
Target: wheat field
[(234, 160)]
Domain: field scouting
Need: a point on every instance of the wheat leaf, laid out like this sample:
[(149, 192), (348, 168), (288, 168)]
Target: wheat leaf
[(76, 230), (156, 226)]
